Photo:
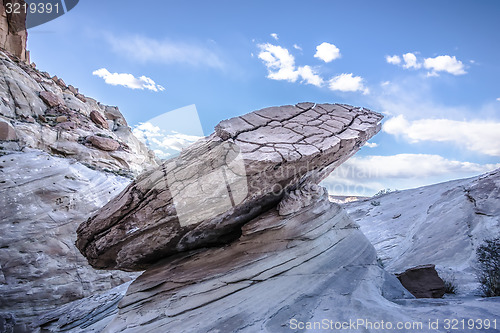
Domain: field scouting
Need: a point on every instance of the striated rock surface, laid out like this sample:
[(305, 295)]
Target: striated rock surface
[(442, 224), (90, 314), (306, 266), (204, 196), (13, 34), (43, 199), (47, 115), (284, 272)]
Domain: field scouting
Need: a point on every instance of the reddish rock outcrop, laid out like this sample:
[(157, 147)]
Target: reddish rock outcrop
[(423, 282), (51, 99), (98, 119), (7, 132), (106, 144), (13, 34)]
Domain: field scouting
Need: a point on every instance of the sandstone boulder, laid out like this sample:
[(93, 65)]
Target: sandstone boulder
[(61, 119), (7, 132), (215, 186), (51, 99), (73, 89), (423, 282), (106, 144), (98, 119)]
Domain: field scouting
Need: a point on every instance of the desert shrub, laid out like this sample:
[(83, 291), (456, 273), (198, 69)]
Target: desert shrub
[(383, 191), (450, 286), (488, 257)]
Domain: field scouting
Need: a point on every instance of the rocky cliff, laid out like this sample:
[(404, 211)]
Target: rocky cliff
[(42, 112), (13, 34), (63, 155)]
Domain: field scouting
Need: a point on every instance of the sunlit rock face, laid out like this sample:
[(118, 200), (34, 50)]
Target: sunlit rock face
[(204, 196), (46, 114)]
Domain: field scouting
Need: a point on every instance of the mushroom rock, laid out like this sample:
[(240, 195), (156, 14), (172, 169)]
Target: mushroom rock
[(302, 267), (206, 195)]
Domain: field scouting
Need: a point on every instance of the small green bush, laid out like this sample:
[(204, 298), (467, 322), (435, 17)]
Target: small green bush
[(488, 256)]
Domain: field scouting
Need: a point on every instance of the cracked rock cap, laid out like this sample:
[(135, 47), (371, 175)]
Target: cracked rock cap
[(205, 195)]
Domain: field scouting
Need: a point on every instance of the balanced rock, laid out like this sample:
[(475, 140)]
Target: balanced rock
[(98, 119), (205, 195)]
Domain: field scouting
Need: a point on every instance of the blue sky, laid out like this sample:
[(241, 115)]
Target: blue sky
[(431, 67)]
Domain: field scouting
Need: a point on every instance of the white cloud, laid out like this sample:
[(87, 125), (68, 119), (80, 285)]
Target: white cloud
[(395, 59), (279, 62), (309, 76), (295, 46), (371, 144), (281, 66), (274, 35), (445, 63), (146, 130), (347, 82), (432, 74), (162, 143), (327, 52), (128, 80), (498, 99), (175, 141), (478, 135), (411, 61), (145, 49), (366, 175)]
